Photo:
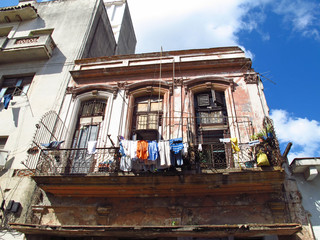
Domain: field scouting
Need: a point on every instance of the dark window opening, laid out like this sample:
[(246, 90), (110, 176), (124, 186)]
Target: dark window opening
[(211, 125), (147, 118), (210, 108), (16, 86), (3, 141)]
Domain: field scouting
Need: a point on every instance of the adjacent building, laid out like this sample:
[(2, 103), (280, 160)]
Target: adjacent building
[(166, 145), (305, 172), (39, 42)]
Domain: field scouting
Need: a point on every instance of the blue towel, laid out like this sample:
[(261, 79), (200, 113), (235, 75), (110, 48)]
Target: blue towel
[(6, 100), (53, 144), (176, 145)]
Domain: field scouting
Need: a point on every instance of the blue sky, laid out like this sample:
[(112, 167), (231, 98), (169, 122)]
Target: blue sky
[(281, 36)]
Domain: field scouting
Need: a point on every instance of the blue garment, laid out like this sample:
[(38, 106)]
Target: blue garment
[(153, 150), (53, 144), (122, 150), (176, 158), (176, 145), (6, 100)]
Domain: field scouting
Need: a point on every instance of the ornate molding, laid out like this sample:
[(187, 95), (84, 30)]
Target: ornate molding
[(251, 78), (115, 93), (178, 81), (122, 85), (90, 88)]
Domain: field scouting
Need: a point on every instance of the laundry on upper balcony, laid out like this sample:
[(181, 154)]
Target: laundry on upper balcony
[(52, 144)]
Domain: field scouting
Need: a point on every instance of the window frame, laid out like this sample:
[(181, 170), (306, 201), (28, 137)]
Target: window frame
[(93, 119), (216, 104), (153, 122), (16, 85)]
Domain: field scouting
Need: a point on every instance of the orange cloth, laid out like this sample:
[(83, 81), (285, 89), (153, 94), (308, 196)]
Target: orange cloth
[(142, 150)]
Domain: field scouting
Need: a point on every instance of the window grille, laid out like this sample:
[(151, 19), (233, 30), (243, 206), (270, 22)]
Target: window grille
[(93, 108)]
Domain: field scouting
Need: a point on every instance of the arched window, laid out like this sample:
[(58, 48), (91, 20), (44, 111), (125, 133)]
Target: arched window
[(147, 118), (211, 126), (90, 118)]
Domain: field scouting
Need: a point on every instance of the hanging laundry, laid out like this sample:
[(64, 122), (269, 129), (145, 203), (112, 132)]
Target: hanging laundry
[(164, 152), (125, 146), (121, 150), (125, 161), (234, 144), (2, 92), (176, 146), (176, 158), (153, 150), (53, 144), (6, 100), (254, 142), (132, 149), (92, 147), (142, 150), (125, 164)]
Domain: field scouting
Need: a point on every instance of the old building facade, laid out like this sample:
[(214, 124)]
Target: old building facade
[(305, 172), (162, 145), (39, 42)]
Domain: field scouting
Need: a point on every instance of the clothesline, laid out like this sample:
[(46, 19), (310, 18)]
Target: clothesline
[(152, 154)]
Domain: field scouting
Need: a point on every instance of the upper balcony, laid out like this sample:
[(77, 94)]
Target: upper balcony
[(217, 167), (28, 48)]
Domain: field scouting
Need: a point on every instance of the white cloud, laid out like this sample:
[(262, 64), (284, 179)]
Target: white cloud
[(301, 14), (184, 24), (302, 132), (181, 24)]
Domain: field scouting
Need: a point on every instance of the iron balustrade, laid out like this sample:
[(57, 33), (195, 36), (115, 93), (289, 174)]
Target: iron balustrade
[(215, 156), (78, 161), (205, 152)]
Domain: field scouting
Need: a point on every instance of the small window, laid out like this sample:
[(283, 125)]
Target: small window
[(3, 141), (16, 86)]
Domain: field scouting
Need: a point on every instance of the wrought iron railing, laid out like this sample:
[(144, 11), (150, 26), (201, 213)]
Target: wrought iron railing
[(206, 151), (78, 161), (214, 156)]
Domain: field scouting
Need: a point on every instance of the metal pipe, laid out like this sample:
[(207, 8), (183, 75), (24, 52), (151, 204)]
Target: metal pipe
[(286, 151)]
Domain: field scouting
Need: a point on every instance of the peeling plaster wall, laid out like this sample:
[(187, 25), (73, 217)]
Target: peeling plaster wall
[(203, 210)]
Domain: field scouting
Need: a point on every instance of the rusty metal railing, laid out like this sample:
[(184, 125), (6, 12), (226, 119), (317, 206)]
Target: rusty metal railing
[(78, 161), (214, 156)]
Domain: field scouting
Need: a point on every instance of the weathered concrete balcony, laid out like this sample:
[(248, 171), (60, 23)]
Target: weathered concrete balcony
[(77, 173), (220, 167), (28, 48)]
